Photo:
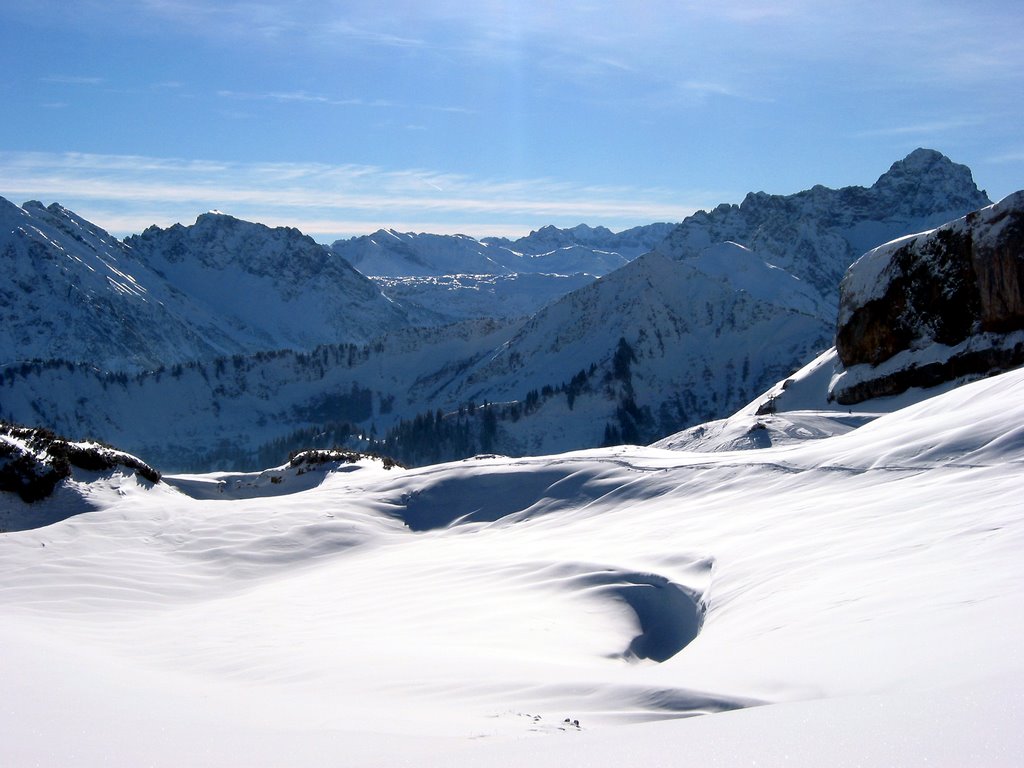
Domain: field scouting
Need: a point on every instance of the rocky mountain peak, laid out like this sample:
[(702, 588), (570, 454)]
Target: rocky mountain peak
[(817, 233), (925, 179), (220, 241)]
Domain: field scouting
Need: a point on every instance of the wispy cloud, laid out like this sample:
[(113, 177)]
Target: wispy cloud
[(927, 128), (255, 19), (346, 30), (73, 80), (1007, 157), (303, 97), (718, 88), (329, 200)]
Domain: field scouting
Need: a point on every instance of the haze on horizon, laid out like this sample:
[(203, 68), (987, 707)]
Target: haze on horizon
[(491, 118)]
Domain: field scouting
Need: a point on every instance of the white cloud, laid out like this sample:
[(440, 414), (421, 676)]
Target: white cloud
[(131, 192)]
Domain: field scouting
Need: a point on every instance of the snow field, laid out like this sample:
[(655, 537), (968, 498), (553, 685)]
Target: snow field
[(865, 588)]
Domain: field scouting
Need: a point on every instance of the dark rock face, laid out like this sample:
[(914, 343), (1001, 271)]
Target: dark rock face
[(961, 286), (932, 293)]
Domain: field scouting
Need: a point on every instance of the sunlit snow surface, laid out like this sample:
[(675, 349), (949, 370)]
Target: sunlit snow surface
[(864, 599)]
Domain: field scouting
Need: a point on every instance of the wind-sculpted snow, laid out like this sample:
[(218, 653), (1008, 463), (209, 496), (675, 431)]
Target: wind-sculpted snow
[(487, 490), (669, 615), (561, 597)]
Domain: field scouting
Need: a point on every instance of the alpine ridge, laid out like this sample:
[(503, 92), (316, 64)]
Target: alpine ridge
[(731, 301), (219, 287), (816, 234)]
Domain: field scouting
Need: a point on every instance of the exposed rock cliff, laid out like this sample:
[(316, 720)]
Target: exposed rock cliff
[(934, 306)]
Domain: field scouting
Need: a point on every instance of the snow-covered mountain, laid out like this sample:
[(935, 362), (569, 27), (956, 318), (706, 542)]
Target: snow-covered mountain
[(74, 292), (682, 335), (548, 250), (221, 286), (816, 234), (639, 354), (650, 348), (448, 278), (848, 600), (730, 301)]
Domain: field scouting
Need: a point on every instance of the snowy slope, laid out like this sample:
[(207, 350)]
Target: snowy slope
[(74, 292), (706, 334), (436, 300), (243, 412), (795, 410), (856, 600), (275, 284), (221, 286)]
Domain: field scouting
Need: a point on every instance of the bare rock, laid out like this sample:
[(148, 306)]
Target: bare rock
[(935, 306)]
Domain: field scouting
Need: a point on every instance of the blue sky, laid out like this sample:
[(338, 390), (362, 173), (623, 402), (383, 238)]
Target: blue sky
[(490, 117)]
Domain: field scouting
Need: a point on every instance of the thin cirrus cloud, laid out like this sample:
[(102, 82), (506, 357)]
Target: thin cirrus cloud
[(931, 128), (303, 97), (127, 193), (72, 80)]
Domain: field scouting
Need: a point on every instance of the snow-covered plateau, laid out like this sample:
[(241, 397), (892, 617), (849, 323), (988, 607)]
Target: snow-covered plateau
[(852, 599)]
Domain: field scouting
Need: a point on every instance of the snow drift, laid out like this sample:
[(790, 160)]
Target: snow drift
[(846, 600)]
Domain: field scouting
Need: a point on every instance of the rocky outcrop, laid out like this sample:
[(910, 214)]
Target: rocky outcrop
[(934, 307), (33, 461)]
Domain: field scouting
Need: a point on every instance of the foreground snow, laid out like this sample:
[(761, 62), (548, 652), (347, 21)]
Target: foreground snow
[(866, 590)]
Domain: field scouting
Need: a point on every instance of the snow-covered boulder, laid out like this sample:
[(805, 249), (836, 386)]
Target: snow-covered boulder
[(937, 306)]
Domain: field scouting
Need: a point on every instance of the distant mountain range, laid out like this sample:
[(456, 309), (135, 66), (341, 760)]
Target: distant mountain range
[(548, 250), (444, 278), (684, 324)]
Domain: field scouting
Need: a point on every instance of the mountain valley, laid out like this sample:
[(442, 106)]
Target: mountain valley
[(233, 342)]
